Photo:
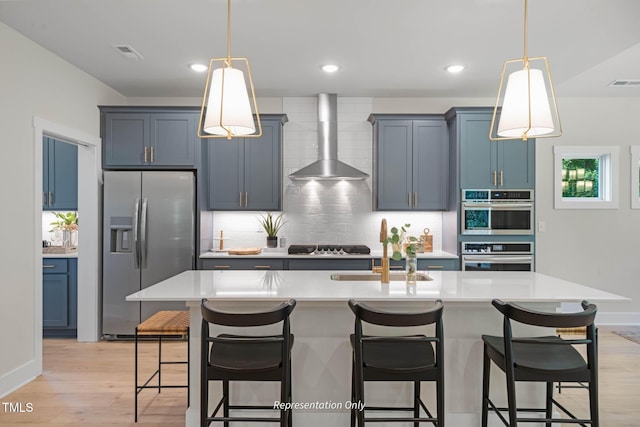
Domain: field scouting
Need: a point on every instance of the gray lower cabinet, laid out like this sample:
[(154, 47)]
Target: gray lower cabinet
[(411, 162), (424, 264), (148, 137), (59, 297), (330, 264), (243, 264), (486, 164), (246, 173)]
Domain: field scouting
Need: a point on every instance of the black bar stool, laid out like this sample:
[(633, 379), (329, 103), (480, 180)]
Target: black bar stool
[(228, 358), (397, 358), (545, 359), (163, 324)]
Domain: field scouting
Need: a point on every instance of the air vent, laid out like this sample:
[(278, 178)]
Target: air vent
[(128, 52), (625, 83)]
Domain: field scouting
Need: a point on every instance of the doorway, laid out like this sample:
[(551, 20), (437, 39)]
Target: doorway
[(89, 180)]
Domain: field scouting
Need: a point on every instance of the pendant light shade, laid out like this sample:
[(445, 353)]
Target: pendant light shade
[(526, 104), (526, 107), (228, 107)]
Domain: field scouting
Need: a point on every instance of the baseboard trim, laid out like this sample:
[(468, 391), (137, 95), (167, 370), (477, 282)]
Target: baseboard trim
[(614, 318), (11, 381)]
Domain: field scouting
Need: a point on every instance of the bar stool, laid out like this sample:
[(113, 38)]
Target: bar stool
[(397, 358), (227, 358), (162, 324), (545, 359)]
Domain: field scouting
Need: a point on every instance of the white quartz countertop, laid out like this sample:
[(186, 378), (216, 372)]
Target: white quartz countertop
[(283, 254), (69, 255), (453, 286)]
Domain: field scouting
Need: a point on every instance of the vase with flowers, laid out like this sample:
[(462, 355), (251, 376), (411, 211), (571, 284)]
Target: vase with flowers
[(400, 242), (67, 224)]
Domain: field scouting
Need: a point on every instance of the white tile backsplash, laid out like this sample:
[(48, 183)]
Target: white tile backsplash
[(316, 212)]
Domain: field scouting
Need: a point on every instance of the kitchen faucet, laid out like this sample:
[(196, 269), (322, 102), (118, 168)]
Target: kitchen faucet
[(384, 265)]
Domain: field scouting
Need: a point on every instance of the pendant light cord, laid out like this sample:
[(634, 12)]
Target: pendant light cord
[(526, 30), (228, 33)]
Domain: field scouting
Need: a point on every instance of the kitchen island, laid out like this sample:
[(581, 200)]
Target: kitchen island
[(322, 323)]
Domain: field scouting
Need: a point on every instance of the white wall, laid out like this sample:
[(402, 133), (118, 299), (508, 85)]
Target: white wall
[(597, 248), (33, 82)]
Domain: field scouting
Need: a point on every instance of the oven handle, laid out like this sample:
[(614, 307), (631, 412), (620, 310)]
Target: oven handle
[(497, 258)]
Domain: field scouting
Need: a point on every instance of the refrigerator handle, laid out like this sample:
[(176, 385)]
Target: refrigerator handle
[(143, 235), (136, 235)]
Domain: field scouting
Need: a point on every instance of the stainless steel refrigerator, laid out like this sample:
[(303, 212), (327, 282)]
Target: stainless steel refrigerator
[(148, 236)]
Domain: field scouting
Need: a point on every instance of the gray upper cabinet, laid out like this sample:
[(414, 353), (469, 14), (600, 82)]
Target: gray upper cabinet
[(246, 173), (59, 175), (490, 164), (136, 137), (411, 162)]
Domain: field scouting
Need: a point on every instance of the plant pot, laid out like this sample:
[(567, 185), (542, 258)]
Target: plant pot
[(272, 242)]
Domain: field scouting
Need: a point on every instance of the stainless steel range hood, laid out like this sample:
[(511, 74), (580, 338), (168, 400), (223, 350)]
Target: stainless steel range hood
[(328, 167)]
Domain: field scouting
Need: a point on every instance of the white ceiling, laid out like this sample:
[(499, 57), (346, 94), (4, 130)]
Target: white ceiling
[(386, 48)]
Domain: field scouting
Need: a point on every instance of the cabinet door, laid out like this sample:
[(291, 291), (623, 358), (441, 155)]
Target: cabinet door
[(172, 138), (262, 169), (437, 264), (55, 297), (243, 264), (329, 264), (516, 164), (226, 171), (63, 175), (393, 167), (126, 136), (478, 154), (46, 141), (430, 165)]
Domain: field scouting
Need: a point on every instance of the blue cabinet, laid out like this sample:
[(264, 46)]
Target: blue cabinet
[(242, 264), (59, 297), (489, 164), (423, 264), (411, 162), (59, 175), (330, 264), (246, 173), (136, 137)]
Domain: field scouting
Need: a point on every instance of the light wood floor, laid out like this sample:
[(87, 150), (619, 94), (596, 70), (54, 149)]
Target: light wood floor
[(90, 384)]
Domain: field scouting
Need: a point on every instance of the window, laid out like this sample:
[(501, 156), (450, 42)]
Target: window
[(586, 177), (635, 177)]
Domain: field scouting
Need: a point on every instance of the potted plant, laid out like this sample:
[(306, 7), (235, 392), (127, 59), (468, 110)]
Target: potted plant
[(272, 224), (68, 224), (398, 241)]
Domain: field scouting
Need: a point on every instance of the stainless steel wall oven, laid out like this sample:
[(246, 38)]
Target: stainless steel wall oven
[(492, 256), (509, 212)]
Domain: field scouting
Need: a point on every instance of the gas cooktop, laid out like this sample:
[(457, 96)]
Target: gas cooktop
[(329, 250)]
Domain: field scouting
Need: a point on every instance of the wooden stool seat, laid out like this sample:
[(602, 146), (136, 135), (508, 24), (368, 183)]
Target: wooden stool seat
[(162, 324), (165, 323)]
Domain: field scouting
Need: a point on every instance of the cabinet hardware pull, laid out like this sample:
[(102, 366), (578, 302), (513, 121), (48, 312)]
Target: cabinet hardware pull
[(415, 199), (246, 199), (48, 266), (434, 266), (409, 199), (261, 266), (495, 178), (501, 175), (240, 198), (221, 266), (151, 150), (145, 154), (396, 267)]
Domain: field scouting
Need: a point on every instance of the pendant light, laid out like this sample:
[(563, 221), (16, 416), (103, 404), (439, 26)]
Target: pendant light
[(526, 107), (226, 108)]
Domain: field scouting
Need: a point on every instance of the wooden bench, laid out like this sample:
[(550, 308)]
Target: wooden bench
[(162, 324)]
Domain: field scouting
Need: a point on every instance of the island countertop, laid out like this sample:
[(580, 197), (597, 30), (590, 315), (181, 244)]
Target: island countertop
[(453, 286)]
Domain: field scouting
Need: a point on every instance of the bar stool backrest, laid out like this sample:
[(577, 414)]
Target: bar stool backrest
[(376, 316), (269, 317)]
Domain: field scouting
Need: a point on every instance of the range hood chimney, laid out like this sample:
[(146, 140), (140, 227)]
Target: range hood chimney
[(328, 167)]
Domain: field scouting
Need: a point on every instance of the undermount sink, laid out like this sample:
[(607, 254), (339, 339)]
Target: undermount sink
[(375, 277)]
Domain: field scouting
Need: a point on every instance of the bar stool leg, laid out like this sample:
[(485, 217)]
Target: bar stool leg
[(416, 402), (188, 370), (486, 375), (159, 363), (225, 404), (549, 407), (353, 392), (136, 378)]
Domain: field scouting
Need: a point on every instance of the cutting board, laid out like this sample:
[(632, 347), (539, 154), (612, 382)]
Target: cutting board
[(244, 251)]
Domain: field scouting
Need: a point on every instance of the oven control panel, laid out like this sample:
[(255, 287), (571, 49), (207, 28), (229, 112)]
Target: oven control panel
[(497, 248)]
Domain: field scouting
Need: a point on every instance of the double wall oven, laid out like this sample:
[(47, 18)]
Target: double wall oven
[(497, 228)]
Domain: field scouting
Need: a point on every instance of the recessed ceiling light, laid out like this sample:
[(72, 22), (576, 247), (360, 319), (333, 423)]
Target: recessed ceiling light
[(454, 68), (200, 68), (330, 68)]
